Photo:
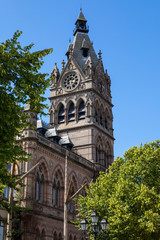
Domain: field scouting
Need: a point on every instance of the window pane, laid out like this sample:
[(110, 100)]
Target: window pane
[(81, 111), (71, 113)]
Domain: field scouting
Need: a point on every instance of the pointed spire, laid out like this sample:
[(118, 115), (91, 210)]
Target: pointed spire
[(81, 16), (81, 24), (55, 74)]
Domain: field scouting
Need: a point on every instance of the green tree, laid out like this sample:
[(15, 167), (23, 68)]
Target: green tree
[(21, 83), (128, 195)]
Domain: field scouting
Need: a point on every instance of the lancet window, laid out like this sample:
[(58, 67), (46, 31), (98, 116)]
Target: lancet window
[(56, 192), (61, 115), (39, 185), (81, 110), (71, 113)]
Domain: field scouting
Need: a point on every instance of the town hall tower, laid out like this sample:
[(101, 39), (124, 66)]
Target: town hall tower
[(81, 102)]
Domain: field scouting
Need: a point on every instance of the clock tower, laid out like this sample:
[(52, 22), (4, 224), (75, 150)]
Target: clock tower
[(81, 102)]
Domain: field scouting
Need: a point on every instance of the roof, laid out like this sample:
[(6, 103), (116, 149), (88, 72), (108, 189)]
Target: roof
[(82, 39), (52, 132), (81, 16), (65, 140)]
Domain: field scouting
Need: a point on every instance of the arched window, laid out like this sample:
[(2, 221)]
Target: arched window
[(39, 185), (43, 235), (70, 237), (55, 236), (105, 159), (101, 120), (56, 191), (38, 237), (81, 110), (97, 155), (71, 113), (96, 115), (41, 188), (61, 115), (60, 236), (106, 123), (71, 204)]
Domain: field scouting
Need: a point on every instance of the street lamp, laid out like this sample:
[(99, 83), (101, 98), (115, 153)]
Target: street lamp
[(95, 224), (84, 224)]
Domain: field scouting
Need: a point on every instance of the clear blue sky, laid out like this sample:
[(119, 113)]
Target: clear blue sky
[(128, 34)]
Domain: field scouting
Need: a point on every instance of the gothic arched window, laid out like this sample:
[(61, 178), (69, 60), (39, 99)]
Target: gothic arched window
[(71, 113), (60, 236), (106, 123), (97, 155), (56, 191), (71, 203), (101, 120), (81, 110), (43, 235), (61, 114), (105, 159), (39, 185), (55, 236), (96, 115)]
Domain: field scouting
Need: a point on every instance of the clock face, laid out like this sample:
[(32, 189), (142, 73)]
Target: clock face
[(70, 81)]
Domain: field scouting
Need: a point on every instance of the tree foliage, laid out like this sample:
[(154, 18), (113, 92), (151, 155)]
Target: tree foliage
[(128, 196), (20, 83)]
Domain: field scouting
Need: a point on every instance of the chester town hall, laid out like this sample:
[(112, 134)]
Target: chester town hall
[(80, 127)]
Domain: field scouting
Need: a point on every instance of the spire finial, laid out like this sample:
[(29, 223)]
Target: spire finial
[(100, 53)]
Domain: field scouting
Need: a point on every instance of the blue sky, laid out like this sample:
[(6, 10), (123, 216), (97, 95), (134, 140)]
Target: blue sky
[(128, 34)]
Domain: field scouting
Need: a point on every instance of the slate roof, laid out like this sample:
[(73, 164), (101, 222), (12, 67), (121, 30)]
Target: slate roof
[(78, 42), (81, 16)]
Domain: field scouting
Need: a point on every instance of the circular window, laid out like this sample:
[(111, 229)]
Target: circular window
[(70, 81)]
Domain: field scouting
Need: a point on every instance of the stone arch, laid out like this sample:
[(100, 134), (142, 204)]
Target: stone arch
[(41, 178), (58, 168), (58, 103)]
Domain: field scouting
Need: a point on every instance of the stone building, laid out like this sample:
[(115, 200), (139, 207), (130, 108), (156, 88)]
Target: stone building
[(80, 126)]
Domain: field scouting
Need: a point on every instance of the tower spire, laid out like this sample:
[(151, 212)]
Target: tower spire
[(81, 25)]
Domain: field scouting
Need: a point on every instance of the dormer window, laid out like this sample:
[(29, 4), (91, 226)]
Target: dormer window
[(85, 52)]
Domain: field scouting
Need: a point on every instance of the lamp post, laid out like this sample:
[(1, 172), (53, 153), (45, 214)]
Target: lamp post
[(96, 227)]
